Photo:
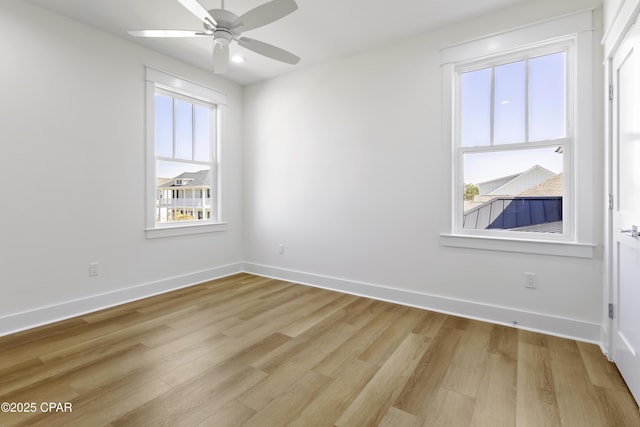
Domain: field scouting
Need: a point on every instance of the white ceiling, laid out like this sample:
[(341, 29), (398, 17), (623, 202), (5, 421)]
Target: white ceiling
[(317, 32)]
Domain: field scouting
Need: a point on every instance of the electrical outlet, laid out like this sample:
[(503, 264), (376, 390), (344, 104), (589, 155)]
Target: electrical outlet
[(281, 248), (93, 269), (530, 280)]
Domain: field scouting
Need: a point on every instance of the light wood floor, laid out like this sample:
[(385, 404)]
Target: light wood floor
[(250, 351)]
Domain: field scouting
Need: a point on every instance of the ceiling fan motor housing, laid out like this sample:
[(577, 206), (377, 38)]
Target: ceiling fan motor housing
[(222, 34)]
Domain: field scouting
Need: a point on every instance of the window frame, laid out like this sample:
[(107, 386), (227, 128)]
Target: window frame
[(567, 46), (573, 32), (180, 88)]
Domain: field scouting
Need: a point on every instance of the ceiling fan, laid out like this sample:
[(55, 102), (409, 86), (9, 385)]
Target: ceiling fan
[(224, 27)]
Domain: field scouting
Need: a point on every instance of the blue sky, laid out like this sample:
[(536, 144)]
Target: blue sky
[(192, 135), (542, 107)]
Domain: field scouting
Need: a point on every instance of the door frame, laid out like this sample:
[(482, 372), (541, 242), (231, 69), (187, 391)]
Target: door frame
[(615, 34)]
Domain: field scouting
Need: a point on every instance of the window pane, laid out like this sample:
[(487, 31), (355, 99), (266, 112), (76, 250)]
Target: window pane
[(202, 133), (547, 97), (164, 126), (509, 103), (475, 108), (184, 130), (183, 192), (517, 190)]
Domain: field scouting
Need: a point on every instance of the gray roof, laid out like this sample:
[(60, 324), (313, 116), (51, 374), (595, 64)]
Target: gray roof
[(193, 179), (547, 227), (549, 187)]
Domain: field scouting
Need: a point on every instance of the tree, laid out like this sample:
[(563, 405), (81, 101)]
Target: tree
[(470, 191)]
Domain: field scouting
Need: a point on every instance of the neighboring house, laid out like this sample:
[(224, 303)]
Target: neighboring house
[(511, 185), (515, 184), (537, 208), (185, 197)]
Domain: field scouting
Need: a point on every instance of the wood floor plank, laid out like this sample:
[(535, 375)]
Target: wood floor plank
[(192, 402), (361, 311), (290, 404), (504, 341), (618, 407), (228, 356), (416, 397), (380, 350), (334, 399), (50, 392), (50, 332), (536, 396), (395, 417), (577, 399), (233, 414), (430, 324), (316, 316), (469, 361), (532, 338), (289, 294), (276, 315), (248, 350), (285, 371), (106, 404), (361, 339), (601, 372), (495, 403), (371, 405), (319, 339), (450, 409)]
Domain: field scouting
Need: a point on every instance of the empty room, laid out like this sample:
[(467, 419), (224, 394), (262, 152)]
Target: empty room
[(320, 213)]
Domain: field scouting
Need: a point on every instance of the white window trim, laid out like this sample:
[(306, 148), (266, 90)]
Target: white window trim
[(158, 79), (579, 240), (567, 45)]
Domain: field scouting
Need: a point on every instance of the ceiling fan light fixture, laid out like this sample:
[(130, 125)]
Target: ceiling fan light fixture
[(222, 37)]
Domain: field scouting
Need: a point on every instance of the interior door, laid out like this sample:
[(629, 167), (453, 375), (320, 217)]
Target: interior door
[(626, 209)]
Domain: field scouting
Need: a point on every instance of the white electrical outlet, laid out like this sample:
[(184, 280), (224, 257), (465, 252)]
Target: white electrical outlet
[(281, 248), (530, 280), (93, 269)]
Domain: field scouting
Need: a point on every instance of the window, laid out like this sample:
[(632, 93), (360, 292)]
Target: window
[(512, 133), (517, 115), (183, 171)]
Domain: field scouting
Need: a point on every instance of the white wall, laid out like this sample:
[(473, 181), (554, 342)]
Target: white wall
[(72, 120), (345, 165)]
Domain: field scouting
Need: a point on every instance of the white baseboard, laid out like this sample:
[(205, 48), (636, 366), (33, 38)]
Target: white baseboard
[(536, 322), (50, 314)]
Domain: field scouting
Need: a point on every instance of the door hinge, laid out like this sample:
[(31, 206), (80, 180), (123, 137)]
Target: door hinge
[(610, 201), (610, 92), (610, 311)]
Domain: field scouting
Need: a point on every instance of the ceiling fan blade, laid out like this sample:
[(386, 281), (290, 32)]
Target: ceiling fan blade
[(196, 8), (168, 33), (220, 58), (268, 50), (264, 14)]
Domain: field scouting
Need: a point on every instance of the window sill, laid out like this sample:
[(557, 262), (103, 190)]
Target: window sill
[(184, 230), (555, 248)]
